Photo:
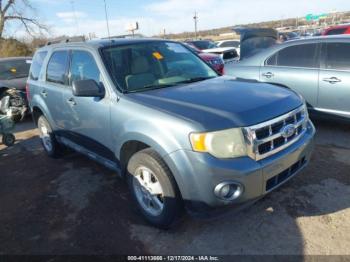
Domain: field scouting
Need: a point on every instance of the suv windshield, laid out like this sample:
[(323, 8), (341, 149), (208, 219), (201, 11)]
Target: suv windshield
[(11, 69), (151, 65)]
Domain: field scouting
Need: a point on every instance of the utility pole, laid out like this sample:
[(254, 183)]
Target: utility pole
[(195, 18)]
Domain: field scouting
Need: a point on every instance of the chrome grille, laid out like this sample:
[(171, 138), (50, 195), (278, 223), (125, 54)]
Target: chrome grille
[(270, 137)]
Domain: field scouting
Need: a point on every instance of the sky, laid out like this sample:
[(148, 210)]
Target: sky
[(72, 17)]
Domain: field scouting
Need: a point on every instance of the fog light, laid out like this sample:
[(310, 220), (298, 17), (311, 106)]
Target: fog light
[(228, 190)]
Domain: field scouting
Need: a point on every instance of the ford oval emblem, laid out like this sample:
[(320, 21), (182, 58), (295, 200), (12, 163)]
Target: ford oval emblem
[(288, 131)]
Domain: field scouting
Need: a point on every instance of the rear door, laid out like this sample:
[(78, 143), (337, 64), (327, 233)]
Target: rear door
[(51, 90), (334, 94), (87, 119), (296, 67)]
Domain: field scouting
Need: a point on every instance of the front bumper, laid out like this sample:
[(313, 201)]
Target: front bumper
[(197, 174)]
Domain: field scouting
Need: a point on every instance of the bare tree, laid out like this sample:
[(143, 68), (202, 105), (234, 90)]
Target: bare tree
[(17, 10)]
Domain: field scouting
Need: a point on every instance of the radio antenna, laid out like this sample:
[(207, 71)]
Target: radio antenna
[(107, 22)]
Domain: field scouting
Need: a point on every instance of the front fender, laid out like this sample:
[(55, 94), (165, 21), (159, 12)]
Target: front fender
[(155, 135)]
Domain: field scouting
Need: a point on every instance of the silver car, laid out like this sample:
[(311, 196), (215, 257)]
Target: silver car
[(317, 68)]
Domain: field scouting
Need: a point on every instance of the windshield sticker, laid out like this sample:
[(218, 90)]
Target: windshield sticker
[(157, 56), (177, 48)]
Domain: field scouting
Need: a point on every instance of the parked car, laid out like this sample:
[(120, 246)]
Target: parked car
[(213, 60), (228, 54), (202, 44), (160, 117), (13, 76), (337, 30), (318, 68), (287, 36), (229, 43)]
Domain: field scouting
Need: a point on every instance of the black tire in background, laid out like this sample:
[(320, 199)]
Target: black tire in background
[(15, 100), (8, 139), (172, 201)]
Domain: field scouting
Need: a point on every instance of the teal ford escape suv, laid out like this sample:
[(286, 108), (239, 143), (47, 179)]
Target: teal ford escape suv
[(159, 116)]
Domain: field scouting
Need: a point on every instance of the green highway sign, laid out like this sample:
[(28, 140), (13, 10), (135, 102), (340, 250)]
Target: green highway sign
[(312, 17)]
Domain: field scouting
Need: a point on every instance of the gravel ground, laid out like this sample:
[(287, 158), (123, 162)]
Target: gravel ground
[(75, 206)]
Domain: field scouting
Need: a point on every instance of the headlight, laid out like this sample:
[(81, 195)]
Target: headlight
[(221, 144)]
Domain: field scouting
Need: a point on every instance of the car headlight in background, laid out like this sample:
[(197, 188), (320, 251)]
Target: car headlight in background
[(221, 144)]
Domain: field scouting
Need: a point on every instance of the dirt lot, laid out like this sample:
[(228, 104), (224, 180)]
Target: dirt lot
[(74, 206)]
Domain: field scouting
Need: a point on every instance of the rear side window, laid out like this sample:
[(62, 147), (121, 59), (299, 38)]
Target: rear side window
[(83, 67), (336, 31), (37, 64), (57, 68), (338, 56), (296, 56)]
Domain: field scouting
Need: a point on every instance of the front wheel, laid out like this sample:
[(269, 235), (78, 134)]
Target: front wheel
[(154, 188)]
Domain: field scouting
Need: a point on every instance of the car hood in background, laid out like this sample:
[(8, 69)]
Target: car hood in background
[(222, 102), (254, 40), (17, 83)]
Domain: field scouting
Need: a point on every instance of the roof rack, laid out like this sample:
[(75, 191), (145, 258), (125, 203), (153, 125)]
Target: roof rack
[(67, 40)]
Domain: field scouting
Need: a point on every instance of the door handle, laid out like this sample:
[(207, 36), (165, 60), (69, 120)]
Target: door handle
[(268, 74), (71, 101), (332, 80), (44, 93)]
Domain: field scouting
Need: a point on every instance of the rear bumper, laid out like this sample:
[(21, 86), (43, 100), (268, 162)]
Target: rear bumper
[(197, 174)]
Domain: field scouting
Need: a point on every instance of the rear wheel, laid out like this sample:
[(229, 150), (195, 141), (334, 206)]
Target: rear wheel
[(48, 139), (154, 188)]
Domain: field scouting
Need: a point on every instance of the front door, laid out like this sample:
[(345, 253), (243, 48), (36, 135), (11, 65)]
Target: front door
[(334, 94), (87, 119)]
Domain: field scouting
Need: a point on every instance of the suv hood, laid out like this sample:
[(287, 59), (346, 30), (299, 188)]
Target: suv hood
[(222, 102)]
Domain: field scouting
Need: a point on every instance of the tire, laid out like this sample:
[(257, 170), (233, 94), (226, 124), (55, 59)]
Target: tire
[(15, 100), (48, 139), (8, 139), (165, 201)]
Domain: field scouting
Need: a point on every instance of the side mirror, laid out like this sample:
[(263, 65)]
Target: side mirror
[(88, 88)]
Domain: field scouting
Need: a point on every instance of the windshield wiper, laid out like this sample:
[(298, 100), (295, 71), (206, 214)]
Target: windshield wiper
[(196, 79), (150, 87)]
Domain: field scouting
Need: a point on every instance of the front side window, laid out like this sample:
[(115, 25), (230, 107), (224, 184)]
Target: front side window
[(57, 68), (37, 64), (296, 56), (12, 69), (151, 65), (338, 56), (83, 67)]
